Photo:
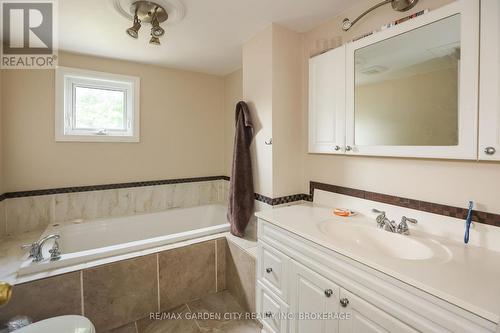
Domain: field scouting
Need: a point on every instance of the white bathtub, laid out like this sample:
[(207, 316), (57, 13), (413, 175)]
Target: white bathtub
[(84, 241)]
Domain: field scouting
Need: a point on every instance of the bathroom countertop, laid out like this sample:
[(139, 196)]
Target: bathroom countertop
[(469, 277), (12, 256)]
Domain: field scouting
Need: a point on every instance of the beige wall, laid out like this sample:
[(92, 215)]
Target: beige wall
[(258, 93), (287, 143), (233, 93), (447, 182), (182, 129), (271, 87)]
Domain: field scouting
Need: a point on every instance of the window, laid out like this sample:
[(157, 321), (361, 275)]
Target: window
[(96, 107)]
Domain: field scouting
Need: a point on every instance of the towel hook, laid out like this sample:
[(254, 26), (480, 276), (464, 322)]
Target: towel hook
[(269, 142)]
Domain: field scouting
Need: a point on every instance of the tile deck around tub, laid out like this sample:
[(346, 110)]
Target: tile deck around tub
[(12, 255), (184, 318)]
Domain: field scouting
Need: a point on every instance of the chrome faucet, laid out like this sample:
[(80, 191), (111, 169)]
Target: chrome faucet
[(384, 223), (35, 249)]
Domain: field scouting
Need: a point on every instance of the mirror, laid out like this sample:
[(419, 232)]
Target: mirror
[(407, 88)]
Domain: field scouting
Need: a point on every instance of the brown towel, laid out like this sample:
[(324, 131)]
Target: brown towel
[(241, 194)]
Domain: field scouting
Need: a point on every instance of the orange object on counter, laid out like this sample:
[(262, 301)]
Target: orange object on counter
[(343, 212)]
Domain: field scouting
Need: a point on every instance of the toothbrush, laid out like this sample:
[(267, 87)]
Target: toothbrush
[(468, 222)]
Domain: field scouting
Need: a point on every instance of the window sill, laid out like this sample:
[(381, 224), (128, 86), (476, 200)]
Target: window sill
[(97, 138)]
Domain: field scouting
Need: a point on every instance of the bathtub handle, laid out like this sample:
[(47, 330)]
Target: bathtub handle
[(55, 252), (33, 247)]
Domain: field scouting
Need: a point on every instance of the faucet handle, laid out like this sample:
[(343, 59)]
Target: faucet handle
[(33, 247), (381, 218), (55, 252), (403, 226), (407, 219)]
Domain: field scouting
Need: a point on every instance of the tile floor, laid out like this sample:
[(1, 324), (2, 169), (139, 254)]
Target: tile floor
[(209, 311)]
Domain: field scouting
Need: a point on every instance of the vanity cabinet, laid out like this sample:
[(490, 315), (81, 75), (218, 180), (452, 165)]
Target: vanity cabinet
[(327, 102), (411, 90), (298, 280), (489, 103)]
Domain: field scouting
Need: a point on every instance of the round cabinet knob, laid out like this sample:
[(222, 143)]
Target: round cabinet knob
[(268, 314), (269, 270), (328, 293), (490, 151), (344, 302), (348, 148), (336, 148)]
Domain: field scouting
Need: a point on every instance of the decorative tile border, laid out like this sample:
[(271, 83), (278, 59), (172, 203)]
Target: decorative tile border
[(430, 207), (280, 200), (89, 188), (258, 197)]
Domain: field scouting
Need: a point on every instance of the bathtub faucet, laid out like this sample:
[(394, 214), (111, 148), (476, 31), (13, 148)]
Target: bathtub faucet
[(36, 248)]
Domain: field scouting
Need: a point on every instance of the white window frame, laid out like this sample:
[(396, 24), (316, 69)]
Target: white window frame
[(69, 78)]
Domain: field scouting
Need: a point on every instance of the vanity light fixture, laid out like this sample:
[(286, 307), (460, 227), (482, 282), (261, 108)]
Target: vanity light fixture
[(148, 12), (398, 5)]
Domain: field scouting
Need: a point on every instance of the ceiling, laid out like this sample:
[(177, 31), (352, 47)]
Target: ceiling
[(208, 39)]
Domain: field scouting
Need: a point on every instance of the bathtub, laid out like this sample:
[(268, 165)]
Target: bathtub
[(84, 241)]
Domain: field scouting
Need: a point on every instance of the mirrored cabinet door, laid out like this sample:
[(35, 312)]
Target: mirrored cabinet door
[(327, 102), (412, 90), (489, 103)]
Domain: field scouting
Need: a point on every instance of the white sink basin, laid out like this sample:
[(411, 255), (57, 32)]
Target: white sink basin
[(374, 240), (63, 324)]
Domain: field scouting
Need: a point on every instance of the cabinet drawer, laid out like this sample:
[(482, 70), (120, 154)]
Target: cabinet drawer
[(273, 270), (365, 318), (272, 309)]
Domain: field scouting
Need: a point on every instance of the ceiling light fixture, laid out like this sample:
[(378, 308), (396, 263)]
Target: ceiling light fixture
[(154, 40), (134, 30), (156, 30), (148, 12)]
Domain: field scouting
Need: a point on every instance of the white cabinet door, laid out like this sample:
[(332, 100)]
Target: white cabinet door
[(365, 318), (383, 131), (312, 296), (489, 99), (327, 102)]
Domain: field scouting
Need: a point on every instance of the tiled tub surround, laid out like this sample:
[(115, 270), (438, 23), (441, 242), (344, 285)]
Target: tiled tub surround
[(30, 213), (115, 294)]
